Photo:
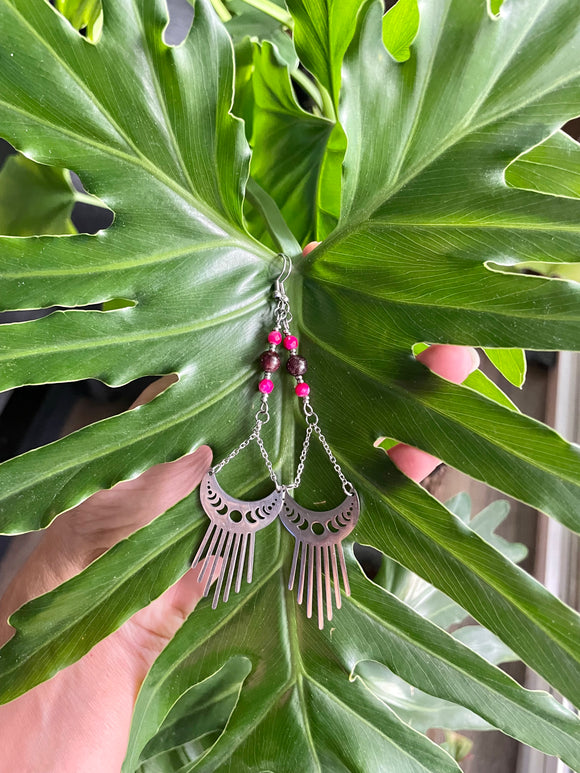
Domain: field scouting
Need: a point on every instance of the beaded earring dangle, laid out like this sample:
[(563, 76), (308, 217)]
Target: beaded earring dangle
[(234, 523)]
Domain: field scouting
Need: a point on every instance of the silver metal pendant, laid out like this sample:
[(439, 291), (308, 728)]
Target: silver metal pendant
[(318, 538), (231, 533)]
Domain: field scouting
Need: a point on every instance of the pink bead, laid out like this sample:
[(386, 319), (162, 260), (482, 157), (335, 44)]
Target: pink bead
[(265, 386), (275, 337), (291, 342), (302, 389)]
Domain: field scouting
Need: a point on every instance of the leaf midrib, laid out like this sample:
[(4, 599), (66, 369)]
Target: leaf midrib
[(389, 299), (490, 225), (298, 669)]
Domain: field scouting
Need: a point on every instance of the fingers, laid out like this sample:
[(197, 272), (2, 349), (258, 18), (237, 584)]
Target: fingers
[(109, 516), (453, 363), (309, 247)]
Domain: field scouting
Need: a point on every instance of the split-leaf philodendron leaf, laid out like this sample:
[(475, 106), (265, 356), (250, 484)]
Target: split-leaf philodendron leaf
[(35, 198), (428, 245)]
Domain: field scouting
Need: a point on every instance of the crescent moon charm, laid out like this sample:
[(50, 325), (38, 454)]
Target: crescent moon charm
[(231, 533), (318, 538)]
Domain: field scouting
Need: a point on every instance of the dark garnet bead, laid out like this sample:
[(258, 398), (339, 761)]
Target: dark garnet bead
[(270, 361), (296, 365)]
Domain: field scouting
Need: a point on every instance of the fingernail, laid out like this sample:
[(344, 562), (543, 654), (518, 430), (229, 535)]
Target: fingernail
[(475, 359), (309, 247)]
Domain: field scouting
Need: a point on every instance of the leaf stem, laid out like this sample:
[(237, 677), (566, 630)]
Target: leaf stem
[(328, 110), (221, 10), (273, 10), (273, 218), (307, 85), (86, 198)]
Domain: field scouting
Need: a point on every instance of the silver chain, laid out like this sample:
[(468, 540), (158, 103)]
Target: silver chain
[(282, 312), (313, 426), (262, 417), (302, 460)]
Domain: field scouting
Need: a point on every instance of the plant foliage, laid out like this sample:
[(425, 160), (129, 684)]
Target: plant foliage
[(400, 166)]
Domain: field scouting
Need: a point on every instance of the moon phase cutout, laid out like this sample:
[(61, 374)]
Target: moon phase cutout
[(231, 534), (318, 538)]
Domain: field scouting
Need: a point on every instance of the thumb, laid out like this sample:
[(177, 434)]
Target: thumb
[(149, 631)]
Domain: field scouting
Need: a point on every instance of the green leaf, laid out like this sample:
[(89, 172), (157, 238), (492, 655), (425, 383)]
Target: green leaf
[(265, 206), (389, 209), (486, 387), (255, 25), (457, 745), (551, 167), (273, 8), (494, 7), (428, 234), (243, 105), (444, 552), (196, 719), (246, 25), (298, 155), (421, 710), (85, 15), (511, 363), (125, 144), (369, 623), (436, 679), (323, 30), (400, 27), (289, 145), (35, 199)]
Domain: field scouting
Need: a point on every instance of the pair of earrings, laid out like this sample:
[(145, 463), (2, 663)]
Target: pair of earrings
[(234, 522)]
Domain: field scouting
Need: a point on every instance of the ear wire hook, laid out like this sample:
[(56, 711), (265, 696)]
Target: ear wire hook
[(279, 289)]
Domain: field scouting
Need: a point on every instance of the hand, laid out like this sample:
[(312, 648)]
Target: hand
[(78, 722), (81, 717)]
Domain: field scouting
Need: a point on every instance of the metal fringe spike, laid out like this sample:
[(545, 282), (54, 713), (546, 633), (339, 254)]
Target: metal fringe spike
[(319, 538), (231, 535)]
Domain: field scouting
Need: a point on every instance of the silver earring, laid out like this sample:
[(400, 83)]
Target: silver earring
[(234, 522), (318, 535)]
